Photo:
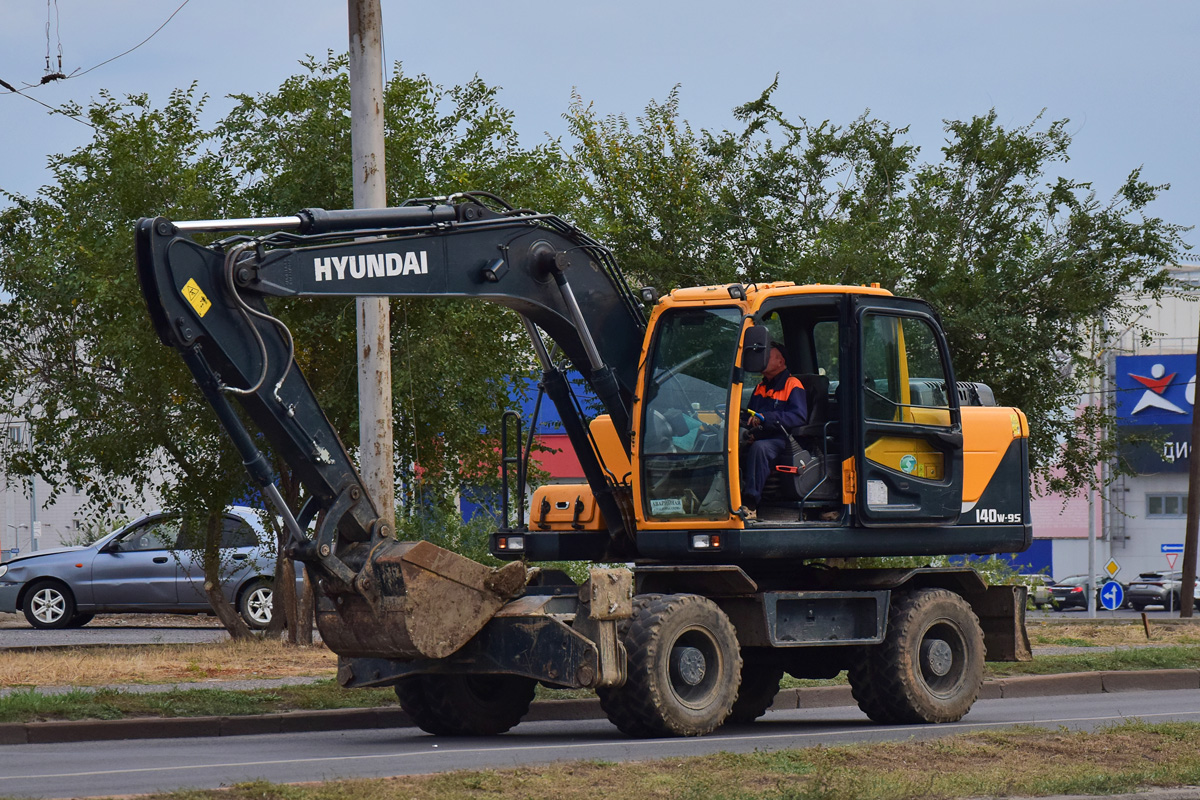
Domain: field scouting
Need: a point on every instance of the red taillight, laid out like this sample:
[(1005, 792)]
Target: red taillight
[(1077, 589)]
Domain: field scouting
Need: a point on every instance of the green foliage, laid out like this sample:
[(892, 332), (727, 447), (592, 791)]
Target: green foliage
[(109, 406), (453, 362), (1033, 276)]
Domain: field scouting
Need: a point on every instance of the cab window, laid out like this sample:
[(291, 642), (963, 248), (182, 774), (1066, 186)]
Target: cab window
[(683, 433), (904, 376)]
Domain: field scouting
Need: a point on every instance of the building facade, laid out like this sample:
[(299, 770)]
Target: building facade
[(1139, 518)]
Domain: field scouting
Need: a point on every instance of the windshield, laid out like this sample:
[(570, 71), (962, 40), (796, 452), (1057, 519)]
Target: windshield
[(683, 428)]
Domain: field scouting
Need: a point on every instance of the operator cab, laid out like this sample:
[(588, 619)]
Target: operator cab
[(882, 444)]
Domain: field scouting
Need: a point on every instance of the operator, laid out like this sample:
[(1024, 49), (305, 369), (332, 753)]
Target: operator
[(778, 403)]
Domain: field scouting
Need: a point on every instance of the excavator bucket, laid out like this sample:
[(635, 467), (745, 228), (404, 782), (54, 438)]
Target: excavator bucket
[(415, 600)]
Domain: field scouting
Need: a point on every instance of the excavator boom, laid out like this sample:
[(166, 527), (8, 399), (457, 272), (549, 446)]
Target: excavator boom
[(208, 302)]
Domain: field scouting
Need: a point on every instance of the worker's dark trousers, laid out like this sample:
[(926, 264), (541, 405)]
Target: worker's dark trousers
[(756, 466)]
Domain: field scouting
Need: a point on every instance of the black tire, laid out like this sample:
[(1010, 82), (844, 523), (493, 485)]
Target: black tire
[(466, 705), (684, 666), (867, 689), (929, 667), (49, 605), (756, 690), (80, 619), (1137, 606), (256, 604)]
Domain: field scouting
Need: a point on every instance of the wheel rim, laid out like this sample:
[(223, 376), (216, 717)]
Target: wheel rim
[(48, 605), (942, 658), (694, 667), (258, 605)]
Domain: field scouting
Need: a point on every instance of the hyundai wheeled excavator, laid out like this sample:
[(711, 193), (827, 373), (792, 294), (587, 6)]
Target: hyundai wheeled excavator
[(710, 609)]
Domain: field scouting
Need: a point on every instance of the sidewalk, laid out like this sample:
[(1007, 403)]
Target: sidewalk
[(358, 718)]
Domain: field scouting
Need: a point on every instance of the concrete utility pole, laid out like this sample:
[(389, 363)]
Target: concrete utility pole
[(373, 313)]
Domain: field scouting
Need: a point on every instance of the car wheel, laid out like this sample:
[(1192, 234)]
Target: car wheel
[(1137, 606), (80, 619), (257, 603), (49, 605)]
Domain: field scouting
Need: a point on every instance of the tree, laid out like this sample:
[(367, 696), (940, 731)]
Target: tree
[(1034, 277), (458, 364), (111, 408), (1026, 269)]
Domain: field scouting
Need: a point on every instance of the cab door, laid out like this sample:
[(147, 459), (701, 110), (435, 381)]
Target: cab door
[(909, 460)]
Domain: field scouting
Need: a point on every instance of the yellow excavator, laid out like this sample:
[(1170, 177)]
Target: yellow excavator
[(707, 607)]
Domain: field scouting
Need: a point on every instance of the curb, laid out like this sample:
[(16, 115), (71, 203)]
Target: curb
[(546, 710)]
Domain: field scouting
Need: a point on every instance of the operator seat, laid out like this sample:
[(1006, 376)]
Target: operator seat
[(800, 474)]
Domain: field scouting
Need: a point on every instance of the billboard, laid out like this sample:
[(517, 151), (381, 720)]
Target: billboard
[(1155, 395), (1155, 390)]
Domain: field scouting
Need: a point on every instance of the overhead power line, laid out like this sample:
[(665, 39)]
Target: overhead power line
[(136, 46), (50, 77)]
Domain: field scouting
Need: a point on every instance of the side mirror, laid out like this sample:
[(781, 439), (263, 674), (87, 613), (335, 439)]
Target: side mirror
[(756, 349)]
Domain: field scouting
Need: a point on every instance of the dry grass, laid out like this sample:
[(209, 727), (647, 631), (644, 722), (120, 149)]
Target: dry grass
[(1096, 635), (98, 665), (94, 666), (1050, 762)]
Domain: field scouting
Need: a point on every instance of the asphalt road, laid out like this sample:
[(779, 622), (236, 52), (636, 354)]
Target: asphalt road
[(90, 769)]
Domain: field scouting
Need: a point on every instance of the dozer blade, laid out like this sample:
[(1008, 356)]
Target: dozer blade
[(415, 600)]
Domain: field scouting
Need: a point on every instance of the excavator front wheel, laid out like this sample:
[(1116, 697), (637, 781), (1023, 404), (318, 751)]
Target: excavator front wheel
[(929, 667), (465, 705), (684, 667)]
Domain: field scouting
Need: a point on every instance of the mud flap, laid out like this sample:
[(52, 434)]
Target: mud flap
[(415, 600), (1001, 612)]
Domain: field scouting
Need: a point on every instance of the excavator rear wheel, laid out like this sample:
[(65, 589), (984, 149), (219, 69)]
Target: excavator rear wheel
[(929, 667), (465, 705), (684, 667), (757, 690)]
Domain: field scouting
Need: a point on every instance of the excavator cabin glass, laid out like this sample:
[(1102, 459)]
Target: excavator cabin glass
[(685, 471)]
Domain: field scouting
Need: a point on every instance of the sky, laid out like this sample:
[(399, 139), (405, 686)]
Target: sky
[(1123, 73)]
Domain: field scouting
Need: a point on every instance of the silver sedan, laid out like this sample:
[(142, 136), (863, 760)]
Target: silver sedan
[(145, 567)]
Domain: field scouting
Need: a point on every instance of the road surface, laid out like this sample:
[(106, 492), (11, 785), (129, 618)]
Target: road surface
[(90, 769)]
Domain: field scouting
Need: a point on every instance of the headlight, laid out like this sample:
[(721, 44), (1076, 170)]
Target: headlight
[(3, 570)]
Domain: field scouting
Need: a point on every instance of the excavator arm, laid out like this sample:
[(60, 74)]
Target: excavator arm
[(209, 302)]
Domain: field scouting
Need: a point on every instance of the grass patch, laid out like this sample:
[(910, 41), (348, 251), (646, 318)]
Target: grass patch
[(97, 666), (1172, 657), (1122, 758), (1127, 632), (1063, 641), (177, 663), (33, 706)]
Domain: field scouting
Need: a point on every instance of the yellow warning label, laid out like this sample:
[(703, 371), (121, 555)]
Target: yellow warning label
[(195, 295)]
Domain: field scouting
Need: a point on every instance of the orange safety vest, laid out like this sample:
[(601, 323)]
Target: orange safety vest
[(780, 395)]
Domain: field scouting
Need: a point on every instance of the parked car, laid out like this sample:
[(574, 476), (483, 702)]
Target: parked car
[(135, 569), (1039, 590), (1160, 589), (1070, 591)]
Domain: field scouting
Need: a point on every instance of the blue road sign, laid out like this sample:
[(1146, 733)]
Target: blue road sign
[(1171, 548), (1112, 596)]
